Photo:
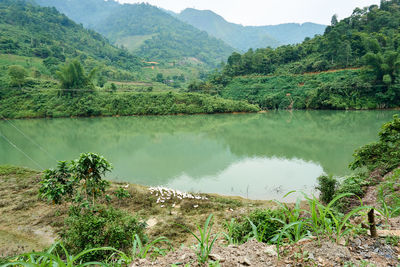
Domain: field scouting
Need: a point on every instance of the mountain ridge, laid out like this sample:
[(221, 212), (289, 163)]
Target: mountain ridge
[(246, 37)]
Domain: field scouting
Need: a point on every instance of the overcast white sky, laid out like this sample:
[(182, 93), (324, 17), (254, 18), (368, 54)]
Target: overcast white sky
[(267, 12)]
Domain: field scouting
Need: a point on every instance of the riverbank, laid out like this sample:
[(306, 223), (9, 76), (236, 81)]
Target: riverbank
[(29, 103), (28, 223)]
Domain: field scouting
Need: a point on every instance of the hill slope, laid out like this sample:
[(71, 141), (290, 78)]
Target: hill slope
[(146, 30), (367, 44), (245, 37), (28, 30)]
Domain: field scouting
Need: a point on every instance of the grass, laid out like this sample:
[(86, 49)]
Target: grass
[(31, 224)]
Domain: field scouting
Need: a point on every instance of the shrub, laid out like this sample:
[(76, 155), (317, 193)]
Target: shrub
[(327, 186), (57, 183), (100, 226), (242, 230), (383, 154)]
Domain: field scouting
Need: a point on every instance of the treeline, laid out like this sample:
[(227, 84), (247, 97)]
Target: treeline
[(49, 103), (369, 40)]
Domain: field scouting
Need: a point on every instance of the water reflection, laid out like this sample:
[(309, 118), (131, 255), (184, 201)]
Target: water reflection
[(270, 154)]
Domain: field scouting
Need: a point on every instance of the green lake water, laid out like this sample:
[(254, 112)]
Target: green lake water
[(259, 156)]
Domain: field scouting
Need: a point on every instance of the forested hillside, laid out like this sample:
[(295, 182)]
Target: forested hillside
[(367, 43), (146, 30), (245, 37), (45, 35)]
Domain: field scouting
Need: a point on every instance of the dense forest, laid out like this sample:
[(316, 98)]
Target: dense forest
[(147, 31), (245, 37), (366, 43)]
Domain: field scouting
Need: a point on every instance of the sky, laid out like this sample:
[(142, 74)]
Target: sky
[(267, 12)]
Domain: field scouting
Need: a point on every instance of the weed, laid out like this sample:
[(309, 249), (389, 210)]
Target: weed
[(52, 258), (229, 236), (392, 240), (205, 239), (140, 250)]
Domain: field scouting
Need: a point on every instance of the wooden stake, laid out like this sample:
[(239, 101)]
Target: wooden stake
[(372, 225)]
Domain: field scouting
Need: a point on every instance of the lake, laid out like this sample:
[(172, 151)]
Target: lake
[(258, 156)]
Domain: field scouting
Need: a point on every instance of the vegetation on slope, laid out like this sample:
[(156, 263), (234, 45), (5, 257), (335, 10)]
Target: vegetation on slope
[(32, 103), (161, 37), (368, 39), (32, 31)]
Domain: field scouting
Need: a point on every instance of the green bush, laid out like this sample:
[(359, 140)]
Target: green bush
[(242, 230), (327, 186), (97, 227), (384, 154), (355, 185)]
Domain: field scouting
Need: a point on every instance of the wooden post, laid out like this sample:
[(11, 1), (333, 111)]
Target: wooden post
[(372, 225)]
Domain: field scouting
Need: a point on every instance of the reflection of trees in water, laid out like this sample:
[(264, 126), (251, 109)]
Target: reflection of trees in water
[(161, 147)]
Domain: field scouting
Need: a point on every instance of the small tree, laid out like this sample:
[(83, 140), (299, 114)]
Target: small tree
[(17, 75), (57, 184), (83, 175), (72, 76), (88, 171)]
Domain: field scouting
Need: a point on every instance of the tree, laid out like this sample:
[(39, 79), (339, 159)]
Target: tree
[(88, 171), (17, 75), (72, 77), (334, 20), (160, 78), (82, 176)]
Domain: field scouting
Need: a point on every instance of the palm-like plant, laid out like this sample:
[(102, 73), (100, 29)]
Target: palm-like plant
[(72, 76)]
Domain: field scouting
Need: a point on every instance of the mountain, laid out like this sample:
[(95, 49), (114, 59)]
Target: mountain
[(32, 31), (245, 37), (145, 30)]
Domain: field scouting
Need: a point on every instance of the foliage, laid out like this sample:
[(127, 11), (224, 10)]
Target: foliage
[(365, 44), (389, 195), (82, 176), (383, 154), (52, 257), (147, 31), (57, 184), (100, 226), (33, 31), (344, 89), (17, 75), (140, 250), (88, 171), (327, 186), (205, 239), (259, 224), (121, 193), (72, 77), (291, 223), (31, 104)]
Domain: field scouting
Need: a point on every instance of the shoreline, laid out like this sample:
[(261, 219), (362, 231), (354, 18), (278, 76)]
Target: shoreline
[(195, 114)]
